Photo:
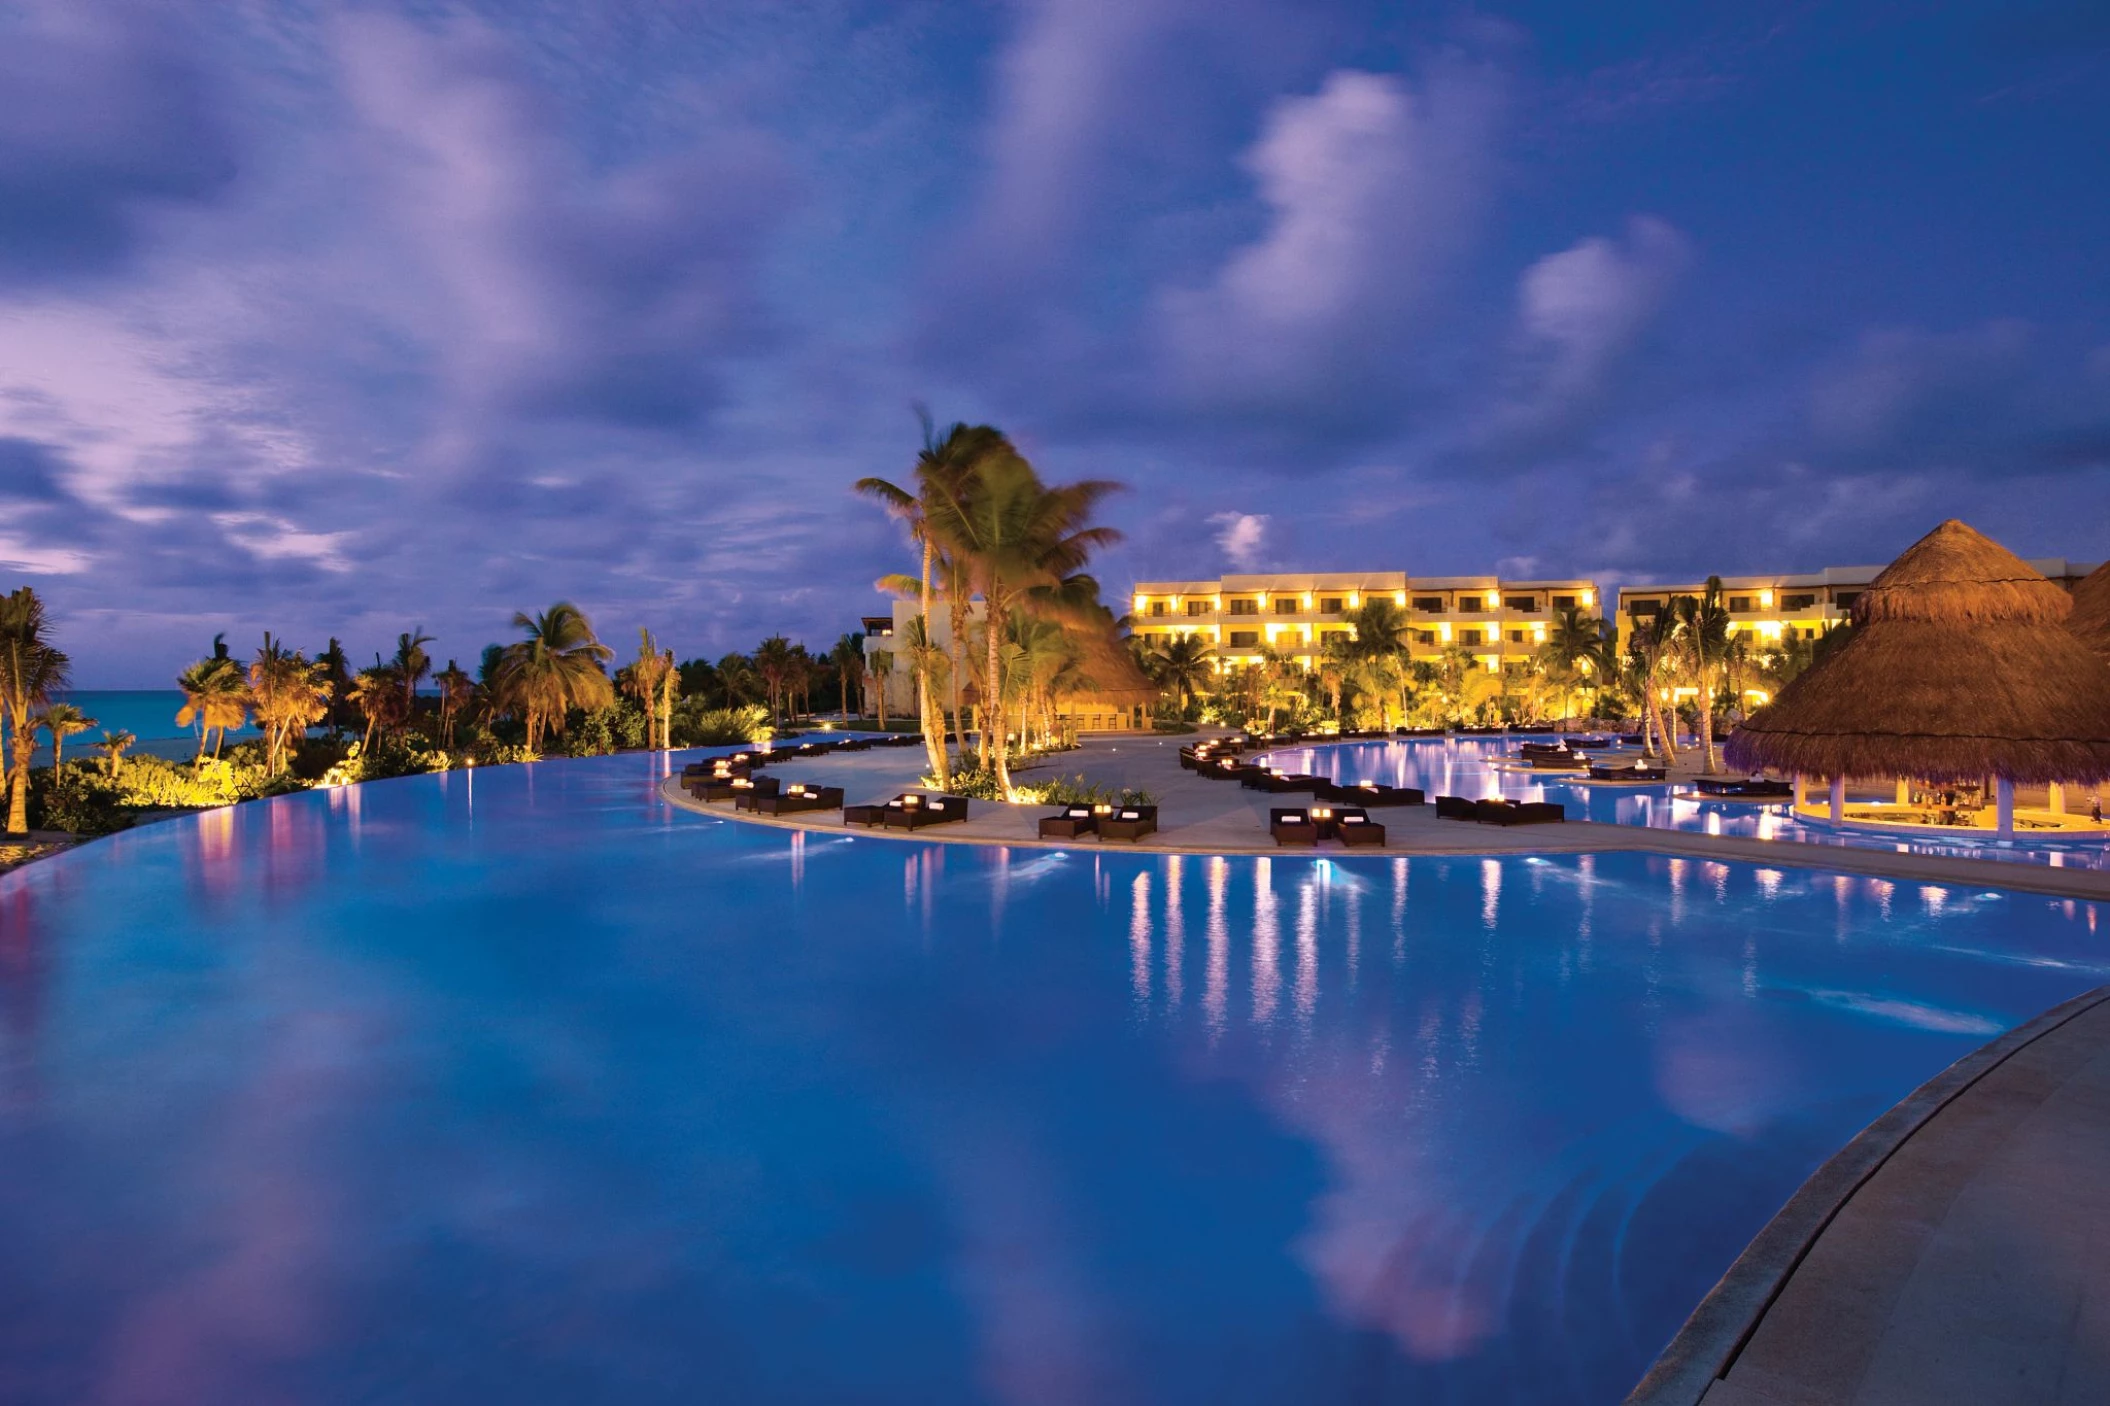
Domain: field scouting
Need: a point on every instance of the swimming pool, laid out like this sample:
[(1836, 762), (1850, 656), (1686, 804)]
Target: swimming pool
[(518, 1085), (1461, 766)]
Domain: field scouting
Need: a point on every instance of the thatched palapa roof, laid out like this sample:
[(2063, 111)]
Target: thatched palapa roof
[(2090, 620), (1959, 668)]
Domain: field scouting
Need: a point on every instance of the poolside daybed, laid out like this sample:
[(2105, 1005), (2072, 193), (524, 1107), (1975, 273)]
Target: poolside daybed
[(792, 799), (734, 788), (1129, 823), (1744, 786), (1454, 808), (1636, 770), (914, 811), (1353, 827), (1372, 793), (1506, 812), (1292, 827), (1069, 823)]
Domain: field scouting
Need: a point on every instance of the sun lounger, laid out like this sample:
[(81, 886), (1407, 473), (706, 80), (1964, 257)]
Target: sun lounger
[(1353, 828), (1285, 781), (1129, 823), (1743, 786), (1069, 823), (1557, 761), (1372, 793), (1292, 827), (1626, 771), (794, 798), (734, 788), (1454, 808), (914, 812), (1517, 812)]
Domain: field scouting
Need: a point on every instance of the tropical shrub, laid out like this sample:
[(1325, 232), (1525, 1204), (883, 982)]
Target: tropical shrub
[(79, 802), (699, 726)]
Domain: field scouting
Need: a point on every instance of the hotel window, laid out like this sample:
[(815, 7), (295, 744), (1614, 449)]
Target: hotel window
[(1644, 607), (1516, 637), (1244, 639), (1285, 605), (1528, 604), (1425, 636), (1429, 605), (1797, 602), (1564, 602), (1245, 607), (1845, 599), (1329, 605), (1739, 605), (1197, 607), (1468, 637), (1158, 607)]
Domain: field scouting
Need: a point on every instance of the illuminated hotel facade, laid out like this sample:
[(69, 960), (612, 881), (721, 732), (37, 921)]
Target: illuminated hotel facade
[(1771, 609), (1243, 618)]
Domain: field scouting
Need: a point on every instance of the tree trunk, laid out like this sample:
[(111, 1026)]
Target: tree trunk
[(957, 650), (993, 700), (18, 783), (1707, 722)]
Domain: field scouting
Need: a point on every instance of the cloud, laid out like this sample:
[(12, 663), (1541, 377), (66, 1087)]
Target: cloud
[(1580, 314), (108, 117), (1371, 187), (1240, 537)]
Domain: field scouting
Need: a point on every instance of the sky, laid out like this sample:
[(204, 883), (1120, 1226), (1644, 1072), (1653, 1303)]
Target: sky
[(336, 319)]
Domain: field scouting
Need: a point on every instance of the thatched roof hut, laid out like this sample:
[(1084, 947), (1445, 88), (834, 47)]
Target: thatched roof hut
[(2091, 611), (1958, 669)]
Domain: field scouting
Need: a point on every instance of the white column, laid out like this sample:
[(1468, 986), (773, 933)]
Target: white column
[(2058, 799), (1904, 792), (1838, 799), (1802, 789), (2004, 807)]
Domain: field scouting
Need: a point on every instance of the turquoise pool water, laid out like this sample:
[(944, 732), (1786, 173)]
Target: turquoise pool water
[(518, 1086), (1462, 766)]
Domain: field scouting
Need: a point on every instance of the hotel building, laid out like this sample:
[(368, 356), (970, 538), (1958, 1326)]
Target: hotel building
[(1499, 621), (1776, 608)]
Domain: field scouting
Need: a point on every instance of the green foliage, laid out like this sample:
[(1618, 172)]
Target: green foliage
[(1076, 791), (77, 801), (696, 725), (1171, 725)]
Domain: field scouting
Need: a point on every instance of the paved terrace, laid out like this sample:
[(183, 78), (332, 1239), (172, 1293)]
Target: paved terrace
[(1198, 815)]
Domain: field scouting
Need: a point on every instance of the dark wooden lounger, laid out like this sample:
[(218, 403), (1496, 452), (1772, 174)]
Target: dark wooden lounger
[(1517, 812), (1130, 823), (1069, 823)]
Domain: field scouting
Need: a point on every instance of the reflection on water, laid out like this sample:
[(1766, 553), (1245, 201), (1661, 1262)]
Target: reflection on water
[(1462, 766), (342, 1096)]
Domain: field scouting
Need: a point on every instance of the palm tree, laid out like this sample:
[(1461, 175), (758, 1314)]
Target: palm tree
[(645, 680), (412, 665), (1018, 540), (291, 695), (944, 469), (31, 670), (378, 696), (113, 747), (1381, 628), (848, 657), (215, 697), (559, 666), (1702, 640), (1180, 664), (879, 664), (457, 691), (774, 662), (738, 679), (1648, 647), (337, 673), (1573, 649), (61, 720)]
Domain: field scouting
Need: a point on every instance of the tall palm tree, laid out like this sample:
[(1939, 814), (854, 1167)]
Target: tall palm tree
[(61, 720), (1649, 646), (215, 697), (739, 681), (1702, 640), (413, 664), (645, 680), (32, 668), (879, 664), (1572, 650), (378, 695), (457, 692), (113, 747), (775, 663), (1181, 664), (945, 468), (559, 666), (290, 696), (1381, 627), (1016, 538), (337, 672), (848, 657)]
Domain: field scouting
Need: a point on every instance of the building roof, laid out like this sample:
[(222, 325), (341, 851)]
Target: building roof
[(1958, 668), (2090, 619)]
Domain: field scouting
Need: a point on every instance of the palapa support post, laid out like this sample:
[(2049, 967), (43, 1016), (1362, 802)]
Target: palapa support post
[(1802, 789), (2004, 807), (1838, 799), (1904, 792), (2056, 799)]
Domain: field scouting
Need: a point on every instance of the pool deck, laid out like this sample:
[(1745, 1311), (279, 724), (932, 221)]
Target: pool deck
[(1200, 815), (1958, 1251)]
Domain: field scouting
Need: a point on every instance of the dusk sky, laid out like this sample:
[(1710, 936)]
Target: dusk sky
[(336, 319)]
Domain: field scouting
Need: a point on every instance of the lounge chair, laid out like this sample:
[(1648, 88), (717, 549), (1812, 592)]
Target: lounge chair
[(1285, 781), (1557, 761), (1352, 827), (915, 811), (1517, 812), (813, 749), (871, 814), (1129, 823), (735, 788), (1372, 793), (1636, 770), (854, 744), (794, 798), (1292, 827), (1454, 808), (1069, 823)]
